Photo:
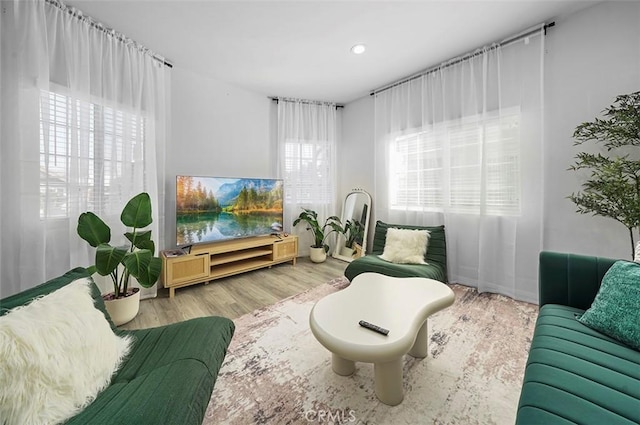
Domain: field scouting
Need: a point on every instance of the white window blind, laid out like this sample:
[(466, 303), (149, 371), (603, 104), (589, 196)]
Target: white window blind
[(88, 152), (443, 167), (308, 176)]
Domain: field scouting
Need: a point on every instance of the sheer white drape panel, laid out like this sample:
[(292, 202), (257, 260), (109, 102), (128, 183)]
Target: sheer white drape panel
[(83, 129), (307, 139), (462, 146)]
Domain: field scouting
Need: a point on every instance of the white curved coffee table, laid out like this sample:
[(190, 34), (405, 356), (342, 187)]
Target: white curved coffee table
[(401, 305)]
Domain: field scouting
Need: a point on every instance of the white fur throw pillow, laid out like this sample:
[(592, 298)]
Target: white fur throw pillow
[(405, 246), (637, 256), (56, 354)]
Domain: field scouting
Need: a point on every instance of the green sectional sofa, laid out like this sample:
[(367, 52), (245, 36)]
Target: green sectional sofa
[(574, 374), (436, 256), (168, 376)]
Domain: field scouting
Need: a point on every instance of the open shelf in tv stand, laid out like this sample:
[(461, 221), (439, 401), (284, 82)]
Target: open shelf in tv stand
[(216, 260)]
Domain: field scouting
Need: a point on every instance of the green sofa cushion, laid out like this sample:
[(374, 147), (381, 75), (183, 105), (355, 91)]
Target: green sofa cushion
[(575, 374), (616, 309), (436, 256), (180, 362)]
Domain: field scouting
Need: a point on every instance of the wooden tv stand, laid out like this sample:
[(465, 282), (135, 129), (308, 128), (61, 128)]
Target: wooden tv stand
[(212, 261)]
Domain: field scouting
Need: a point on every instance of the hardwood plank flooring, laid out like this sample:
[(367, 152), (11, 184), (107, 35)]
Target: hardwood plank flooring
[(236, 295)]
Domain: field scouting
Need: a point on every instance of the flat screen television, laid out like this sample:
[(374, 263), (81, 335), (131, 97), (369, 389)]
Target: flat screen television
[(210, 209)]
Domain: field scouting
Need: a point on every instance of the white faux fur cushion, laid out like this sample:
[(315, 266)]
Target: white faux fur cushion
[(56, 354), (405, 246), (637, 256)]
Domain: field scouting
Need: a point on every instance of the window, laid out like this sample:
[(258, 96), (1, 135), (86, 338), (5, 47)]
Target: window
[(88, 153), (308, 172), (441, 167)]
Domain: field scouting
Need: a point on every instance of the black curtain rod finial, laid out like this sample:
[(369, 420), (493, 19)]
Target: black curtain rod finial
[(549, 25)]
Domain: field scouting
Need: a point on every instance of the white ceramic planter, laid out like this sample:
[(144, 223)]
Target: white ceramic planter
[(346, 252), (317, 255), (123, 310)]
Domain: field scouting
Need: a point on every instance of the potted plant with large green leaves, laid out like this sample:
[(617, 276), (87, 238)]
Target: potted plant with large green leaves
[(135, 260), (318, 252)]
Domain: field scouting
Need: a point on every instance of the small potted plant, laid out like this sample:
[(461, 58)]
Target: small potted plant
[(353, 233), (319, 249), (135, 260)]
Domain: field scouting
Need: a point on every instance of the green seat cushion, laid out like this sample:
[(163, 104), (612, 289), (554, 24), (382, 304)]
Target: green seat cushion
[(374, 264), (172, 362), (575, 374), (616, 309), (436, 256)]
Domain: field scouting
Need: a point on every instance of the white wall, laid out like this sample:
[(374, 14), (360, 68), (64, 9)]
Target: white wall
[(592, 56), (217, 130), (355, 153)]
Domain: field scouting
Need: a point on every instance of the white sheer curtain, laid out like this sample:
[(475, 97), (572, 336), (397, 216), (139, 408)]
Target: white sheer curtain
[(462, 146), (83, 129), (307, 139)]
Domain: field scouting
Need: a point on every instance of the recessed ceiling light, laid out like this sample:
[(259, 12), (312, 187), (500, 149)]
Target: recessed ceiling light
[(358, 49)]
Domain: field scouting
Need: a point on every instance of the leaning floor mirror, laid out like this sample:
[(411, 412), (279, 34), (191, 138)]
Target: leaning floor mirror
[(355, 219)]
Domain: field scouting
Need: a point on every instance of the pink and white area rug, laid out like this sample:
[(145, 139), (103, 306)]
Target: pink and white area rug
[(277, 373)]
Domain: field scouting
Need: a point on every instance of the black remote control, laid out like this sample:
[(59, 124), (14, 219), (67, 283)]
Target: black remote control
[(374, 328)]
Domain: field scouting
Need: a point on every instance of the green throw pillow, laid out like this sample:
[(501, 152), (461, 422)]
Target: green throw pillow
[(616, 309)]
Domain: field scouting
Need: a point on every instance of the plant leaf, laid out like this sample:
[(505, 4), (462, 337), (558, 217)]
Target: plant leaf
[(141, 240), (93, 230), (143, 266), (151, 275), (137, 212), (146, 244), (108, 258)]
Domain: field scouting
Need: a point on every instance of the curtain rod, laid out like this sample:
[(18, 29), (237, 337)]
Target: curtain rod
[(78, 14), (464, 57), (312, 102)]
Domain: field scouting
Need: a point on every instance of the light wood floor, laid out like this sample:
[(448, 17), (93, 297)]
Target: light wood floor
[(236, 295)]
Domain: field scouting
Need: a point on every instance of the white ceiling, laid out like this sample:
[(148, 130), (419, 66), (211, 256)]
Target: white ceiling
[(302, 48)]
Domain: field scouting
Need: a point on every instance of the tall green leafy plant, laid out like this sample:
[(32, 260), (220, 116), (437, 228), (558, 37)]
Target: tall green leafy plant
[(613, 187), (137, 258), (320, 233)]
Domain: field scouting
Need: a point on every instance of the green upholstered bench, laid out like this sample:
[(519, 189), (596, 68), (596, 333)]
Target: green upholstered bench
[(436, 256), (168, 376), (574, 374)]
